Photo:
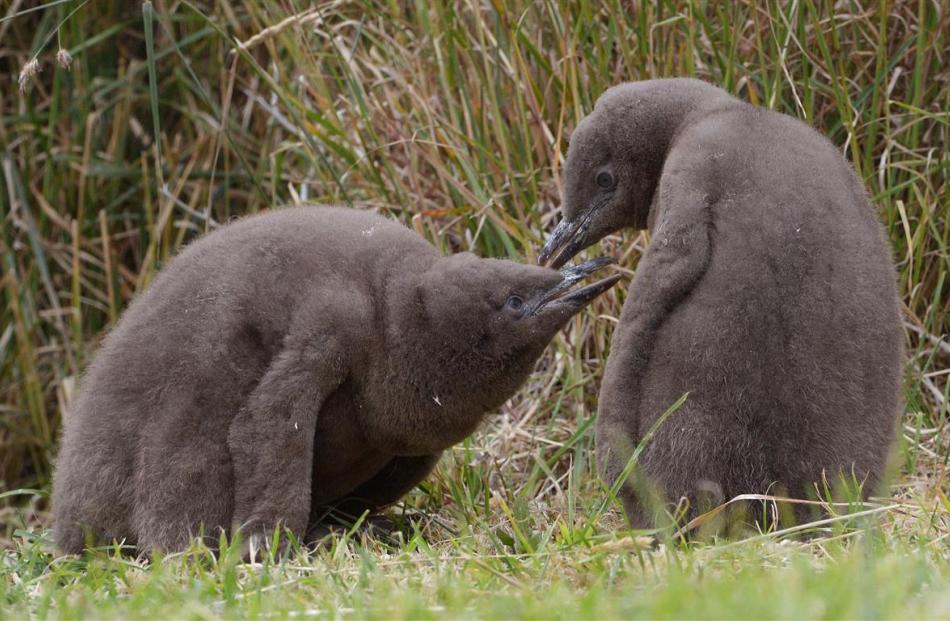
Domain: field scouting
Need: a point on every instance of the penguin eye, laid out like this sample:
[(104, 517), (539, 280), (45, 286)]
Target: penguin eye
[(605, 179), (514, 303)]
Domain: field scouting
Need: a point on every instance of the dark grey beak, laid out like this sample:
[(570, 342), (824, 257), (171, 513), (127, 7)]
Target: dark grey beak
[(570, 237), (563, 230), (561, 296)]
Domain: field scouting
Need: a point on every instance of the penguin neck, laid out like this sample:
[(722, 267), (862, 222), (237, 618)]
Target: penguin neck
[(668, 108), (434, 401)]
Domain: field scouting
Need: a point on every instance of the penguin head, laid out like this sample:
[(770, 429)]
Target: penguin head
[(467, 334), (493, 318), (613, 162)]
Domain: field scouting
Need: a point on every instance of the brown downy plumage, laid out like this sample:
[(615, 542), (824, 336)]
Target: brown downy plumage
[(289, 363), (767, 292)]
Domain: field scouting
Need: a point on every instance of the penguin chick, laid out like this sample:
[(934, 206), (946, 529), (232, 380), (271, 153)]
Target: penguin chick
[(767, 292), (289, 362)]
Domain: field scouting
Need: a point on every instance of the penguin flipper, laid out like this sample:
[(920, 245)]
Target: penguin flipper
[(674, 263), (271, 441)]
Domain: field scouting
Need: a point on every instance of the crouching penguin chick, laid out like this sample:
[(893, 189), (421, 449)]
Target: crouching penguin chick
[(291, 363)]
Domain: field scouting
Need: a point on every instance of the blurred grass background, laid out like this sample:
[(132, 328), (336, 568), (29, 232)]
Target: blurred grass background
[(175, 116)]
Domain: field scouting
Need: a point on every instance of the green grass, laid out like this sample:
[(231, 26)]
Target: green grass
[(453, 119), (470, 578)]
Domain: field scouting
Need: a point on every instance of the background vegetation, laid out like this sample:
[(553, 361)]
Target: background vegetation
[(176, 116)]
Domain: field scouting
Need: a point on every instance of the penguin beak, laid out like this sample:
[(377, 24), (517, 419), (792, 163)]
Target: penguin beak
[(564, 231), (570, 237), (562, 297)]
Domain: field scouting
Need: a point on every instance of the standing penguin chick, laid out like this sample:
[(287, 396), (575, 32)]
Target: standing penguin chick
[(290, 362), (767, 292)]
